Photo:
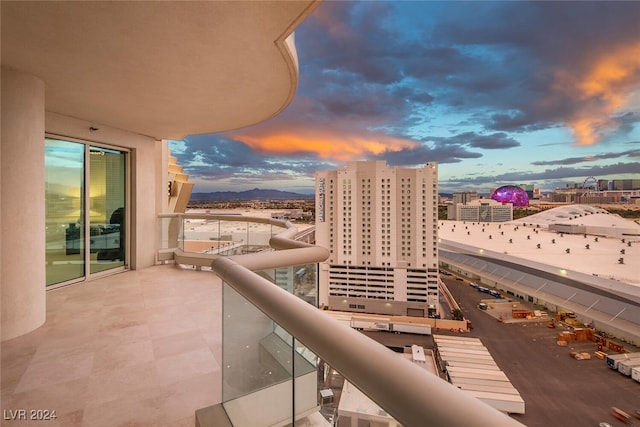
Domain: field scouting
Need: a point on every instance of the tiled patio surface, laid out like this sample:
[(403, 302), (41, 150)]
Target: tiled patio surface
[(140, 348)]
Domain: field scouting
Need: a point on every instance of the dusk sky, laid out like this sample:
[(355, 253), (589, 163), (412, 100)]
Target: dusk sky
[(544, 93)]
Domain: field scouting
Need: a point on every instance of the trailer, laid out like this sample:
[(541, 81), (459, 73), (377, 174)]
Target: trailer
[(458, 343), (483, 382), (451, 350), (455, 372), (410, 328), (463, 349), (614, 359), (476, 362), (457, 353), (370, 324), (625, 366), (488, 388), (508, 403), (456, 364), (635, 373), (462, 358), (455, 338), (446, 354)]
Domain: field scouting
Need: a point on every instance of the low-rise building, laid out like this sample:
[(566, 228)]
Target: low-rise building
[(485, 210)]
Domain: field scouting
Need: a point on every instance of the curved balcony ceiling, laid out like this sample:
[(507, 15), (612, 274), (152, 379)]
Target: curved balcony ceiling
[(163, 69)]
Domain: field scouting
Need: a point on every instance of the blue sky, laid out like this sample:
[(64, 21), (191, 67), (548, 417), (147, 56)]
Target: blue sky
[(544, 93)]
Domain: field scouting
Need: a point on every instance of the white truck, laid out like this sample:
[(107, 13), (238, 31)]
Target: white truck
[(625, 367), (411, 328), (614, 359), (635, 373), (370, 324)]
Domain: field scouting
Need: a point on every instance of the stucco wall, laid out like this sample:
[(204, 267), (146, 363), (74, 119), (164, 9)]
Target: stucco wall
[(22, 218)]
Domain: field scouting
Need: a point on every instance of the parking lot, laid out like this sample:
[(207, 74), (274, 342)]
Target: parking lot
[(557, 389)]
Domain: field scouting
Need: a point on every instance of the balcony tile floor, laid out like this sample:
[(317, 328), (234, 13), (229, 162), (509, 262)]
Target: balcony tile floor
[(140, 348)]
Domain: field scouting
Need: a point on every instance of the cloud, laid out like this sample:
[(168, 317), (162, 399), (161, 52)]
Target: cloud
[(417, 82), (600, 91), (571, 64), (447, 149), (493, 141), (231, 163), (546, 175), (333, 144), (584, 159), (437, 150)]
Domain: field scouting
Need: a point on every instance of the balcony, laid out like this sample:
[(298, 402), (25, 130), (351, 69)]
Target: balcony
[(138, 348), (153, 346)]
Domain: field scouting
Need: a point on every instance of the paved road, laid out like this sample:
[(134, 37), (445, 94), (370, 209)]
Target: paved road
[(557, 390)]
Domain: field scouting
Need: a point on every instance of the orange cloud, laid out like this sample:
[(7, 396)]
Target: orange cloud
[(602, 90), (328, 146)]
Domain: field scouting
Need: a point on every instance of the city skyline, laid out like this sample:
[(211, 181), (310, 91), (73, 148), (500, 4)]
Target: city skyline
[(496, 93)]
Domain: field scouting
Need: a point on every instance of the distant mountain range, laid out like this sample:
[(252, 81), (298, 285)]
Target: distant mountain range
[(255, 194)]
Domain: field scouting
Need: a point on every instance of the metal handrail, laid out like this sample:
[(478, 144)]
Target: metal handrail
[(411, 395)]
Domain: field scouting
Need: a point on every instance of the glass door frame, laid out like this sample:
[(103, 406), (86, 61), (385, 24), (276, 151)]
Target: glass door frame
[(86, 208)]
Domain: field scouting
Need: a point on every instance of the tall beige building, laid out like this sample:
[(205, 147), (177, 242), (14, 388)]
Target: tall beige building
[(380, 226)]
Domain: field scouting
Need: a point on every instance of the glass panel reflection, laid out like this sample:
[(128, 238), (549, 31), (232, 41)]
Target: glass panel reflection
[(260, 359), (69, 218), (213, 236), (254, 357), (64, 202), (106, 208)]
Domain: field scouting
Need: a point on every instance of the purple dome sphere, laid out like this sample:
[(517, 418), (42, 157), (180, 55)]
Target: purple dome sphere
[(511, 194)]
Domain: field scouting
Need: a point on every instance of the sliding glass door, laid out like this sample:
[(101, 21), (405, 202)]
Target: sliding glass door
[(85, 210), (64, 202), (107, 180)]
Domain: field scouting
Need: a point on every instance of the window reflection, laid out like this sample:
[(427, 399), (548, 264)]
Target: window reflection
[(70, 221)]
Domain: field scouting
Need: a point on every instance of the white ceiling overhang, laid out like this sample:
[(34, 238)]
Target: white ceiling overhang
[(159, 68)]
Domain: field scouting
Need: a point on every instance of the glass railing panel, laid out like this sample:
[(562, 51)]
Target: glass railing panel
[(248, 361), (169, 232), (257, 365), (202, 234), (299, 280), (260, 358)]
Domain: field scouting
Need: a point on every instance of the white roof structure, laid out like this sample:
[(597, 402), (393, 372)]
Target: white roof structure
[(514, 238), (484, 381), (596, 276)]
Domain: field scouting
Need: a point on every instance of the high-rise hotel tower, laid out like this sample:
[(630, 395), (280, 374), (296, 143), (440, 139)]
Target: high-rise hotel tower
[(380, 225)]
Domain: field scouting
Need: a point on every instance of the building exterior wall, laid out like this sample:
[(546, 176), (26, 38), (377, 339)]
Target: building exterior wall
[(463, 198), (22, 218), (502, 213), (468, 213), (484, 210), (24, 125), (380, 226), (625, 184)]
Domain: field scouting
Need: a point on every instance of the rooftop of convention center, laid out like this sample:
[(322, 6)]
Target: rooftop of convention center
[(595, 252)]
